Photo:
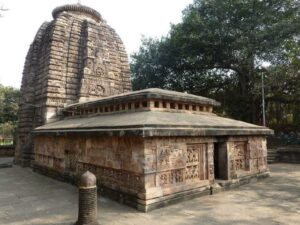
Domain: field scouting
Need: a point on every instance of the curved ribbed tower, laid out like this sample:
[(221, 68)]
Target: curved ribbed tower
[(73, 58)]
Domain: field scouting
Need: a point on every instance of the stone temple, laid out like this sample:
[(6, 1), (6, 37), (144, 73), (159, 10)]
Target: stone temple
[(147, 148), (73, 58)]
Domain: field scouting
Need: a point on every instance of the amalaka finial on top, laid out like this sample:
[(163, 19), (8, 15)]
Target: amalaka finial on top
[(77, 8)]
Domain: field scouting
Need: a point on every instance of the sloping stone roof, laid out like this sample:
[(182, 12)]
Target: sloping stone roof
[(151, 93), (153, 123)]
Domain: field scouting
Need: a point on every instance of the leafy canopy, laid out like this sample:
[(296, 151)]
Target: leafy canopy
[(220, 49)]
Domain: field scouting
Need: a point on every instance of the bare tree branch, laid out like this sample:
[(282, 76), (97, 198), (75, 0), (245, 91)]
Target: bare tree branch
[(2, 9)]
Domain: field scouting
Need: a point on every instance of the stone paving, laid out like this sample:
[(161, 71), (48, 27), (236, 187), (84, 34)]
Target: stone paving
[(27, 198)]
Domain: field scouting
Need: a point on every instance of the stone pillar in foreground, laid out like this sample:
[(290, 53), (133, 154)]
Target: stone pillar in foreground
[(87, 211)]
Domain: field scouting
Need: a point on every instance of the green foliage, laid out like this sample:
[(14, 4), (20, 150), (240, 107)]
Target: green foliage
[(220, 50), (283, 96), (7, 131), (9, 98)]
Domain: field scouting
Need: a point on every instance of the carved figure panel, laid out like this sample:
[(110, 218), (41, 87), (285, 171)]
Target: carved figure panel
[(92, 87), (171, 177), (192, 173), (170, 157), (100, 71), (96, 89), (196, 163), (241, 159), (192, 155)]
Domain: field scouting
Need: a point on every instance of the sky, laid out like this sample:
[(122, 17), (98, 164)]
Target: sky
[(130, 18)]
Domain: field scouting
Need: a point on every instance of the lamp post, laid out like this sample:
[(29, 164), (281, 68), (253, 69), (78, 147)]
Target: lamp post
[(263, 99)]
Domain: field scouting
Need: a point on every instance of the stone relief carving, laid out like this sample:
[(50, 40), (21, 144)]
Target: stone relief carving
[(240, 156), (96, 89), (210, 160), (192, 154), (171, 177), (184, 163), (247, 156), (113, 177), (100, 71), (192, 173), (196, 162), (93, 87), (170, 157)]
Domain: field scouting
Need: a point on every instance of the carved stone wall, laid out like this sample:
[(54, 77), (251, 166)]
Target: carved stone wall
[(135, 165), (247, 156), (117, 162), (73, 58), (175, 164), (149, 169)]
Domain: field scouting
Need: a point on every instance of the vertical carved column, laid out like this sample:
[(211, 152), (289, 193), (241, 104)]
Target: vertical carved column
[(210, 161)]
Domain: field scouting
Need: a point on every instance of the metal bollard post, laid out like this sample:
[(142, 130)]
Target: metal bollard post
[(87, 212)]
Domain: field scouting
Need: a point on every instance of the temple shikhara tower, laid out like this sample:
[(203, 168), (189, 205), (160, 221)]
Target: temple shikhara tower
[(73, 58), (147, 148)]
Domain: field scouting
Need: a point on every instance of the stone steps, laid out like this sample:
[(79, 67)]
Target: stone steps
[(272, 155)]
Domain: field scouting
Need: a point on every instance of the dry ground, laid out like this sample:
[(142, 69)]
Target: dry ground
[(27, 198)]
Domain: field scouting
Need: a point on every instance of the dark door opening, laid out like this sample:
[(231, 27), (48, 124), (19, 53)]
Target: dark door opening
[(216, 161), (220, 161)]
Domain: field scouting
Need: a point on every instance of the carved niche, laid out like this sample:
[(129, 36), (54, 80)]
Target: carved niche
[(92, 87), (240, 161), (171, 177), (182, 164), (196, 163), (170, 157), (100, 71), (96, 90)]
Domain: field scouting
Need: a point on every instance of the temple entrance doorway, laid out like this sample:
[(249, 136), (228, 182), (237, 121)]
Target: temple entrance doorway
[(216, 161), (220, 161)]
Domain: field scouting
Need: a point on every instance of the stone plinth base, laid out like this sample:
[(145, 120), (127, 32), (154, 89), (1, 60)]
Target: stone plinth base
[(222, 185)]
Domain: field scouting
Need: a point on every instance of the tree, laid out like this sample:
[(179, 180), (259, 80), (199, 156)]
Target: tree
[(283, 86), (2, 9), (9, 98), (220, 50)]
